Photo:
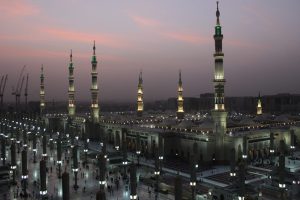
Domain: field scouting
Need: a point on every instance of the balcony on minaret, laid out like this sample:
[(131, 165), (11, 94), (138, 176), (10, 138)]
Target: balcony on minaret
[(94, 105), (220, 107)]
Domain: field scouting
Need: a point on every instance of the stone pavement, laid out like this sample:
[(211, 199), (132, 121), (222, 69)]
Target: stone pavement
[(88, 185)]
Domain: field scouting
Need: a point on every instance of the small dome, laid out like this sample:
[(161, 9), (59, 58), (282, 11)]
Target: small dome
[(207, 124), (168, 122), (186, 124), (263, 117), (248, 121), (282, 118)]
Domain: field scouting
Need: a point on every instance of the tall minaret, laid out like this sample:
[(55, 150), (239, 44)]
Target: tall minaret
[(71, 91), (42, 92), (218, 113), (259, 107), (94, 88), (140, 104), (180, 111)]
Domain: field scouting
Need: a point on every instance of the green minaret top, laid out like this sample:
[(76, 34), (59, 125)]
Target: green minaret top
[(94, 59), (218, 28)]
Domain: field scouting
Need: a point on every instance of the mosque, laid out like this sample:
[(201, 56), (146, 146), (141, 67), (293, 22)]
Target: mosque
[(214, 138)]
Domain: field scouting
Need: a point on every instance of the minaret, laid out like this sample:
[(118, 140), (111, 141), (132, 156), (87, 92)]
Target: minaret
[(219, 80), (71, 91), (219, 114), (259, 107), (180, 111), (42, 92), (140, 103), (94, 88)]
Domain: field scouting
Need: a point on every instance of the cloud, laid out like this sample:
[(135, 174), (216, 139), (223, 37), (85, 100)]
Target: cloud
[(102, 39), (18, 8), (160, 29), (144, 22), (29, 52)]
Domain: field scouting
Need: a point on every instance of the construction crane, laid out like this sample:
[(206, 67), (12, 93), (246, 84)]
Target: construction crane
[(18, 89), (26, 91), (2, 89)]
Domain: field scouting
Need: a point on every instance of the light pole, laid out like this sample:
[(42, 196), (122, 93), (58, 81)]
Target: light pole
[(157, 173), (59, 162), (13, 161), (138, 148), (75, 166), (193, 177), (133, 183), (43, 184)]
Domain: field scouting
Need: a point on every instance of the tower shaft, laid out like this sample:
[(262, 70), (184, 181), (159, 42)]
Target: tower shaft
[(140, 98), (71, 90), (42, 91), (219, 114), (259, 106), (219, 80), (180, 110), (94, 89)]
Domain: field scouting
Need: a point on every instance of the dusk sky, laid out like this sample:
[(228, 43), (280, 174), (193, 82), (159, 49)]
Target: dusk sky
[(261, 46)]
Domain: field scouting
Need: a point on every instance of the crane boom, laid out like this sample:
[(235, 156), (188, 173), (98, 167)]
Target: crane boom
[(26, 86), (20, 89), (26, 90), (3, 88), (19, 79), (2, 79)]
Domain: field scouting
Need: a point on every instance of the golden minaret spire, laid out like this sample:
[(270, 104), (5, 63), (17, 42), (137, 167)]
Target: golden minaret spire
[(180, 111), (140, 103), (259, 106)]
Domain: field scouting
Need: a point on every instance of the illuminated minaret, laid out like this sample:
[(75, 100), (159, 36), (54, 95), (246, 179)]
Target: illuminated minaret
[(94, 88), (218, 113), (140, 103), (259, 107), (42, 92), (219, 80), (71, 91), (180, 111)]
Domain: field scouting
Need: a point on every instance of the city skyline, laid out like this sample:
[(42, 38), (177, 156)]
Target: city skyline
[(157, 38)]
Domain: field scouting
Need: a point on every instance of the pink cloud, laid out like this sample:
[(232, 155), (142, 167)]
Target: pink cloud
[(18, 8), (28, 52), (144, 22), (102, 39)]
